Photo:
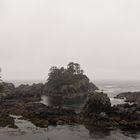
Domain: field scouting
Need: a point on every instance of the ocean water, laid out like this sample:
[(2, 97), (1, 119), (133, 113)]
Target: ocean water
[(112, 88), (73, 132)]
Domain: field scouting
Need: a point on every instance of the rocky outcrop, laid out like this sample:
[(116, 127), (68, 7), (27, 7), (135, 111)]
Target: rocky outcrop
[(132, 97), (30, 89), (77, 89), (68, 81), (23, 93), (39, 114), (126, 116), (6, 120), (96, 111), (127, 111), (80, 87), (53, 115), (97, 103), (92, 87), (96, 114), (47, 111), (99, 114), (6, 88)]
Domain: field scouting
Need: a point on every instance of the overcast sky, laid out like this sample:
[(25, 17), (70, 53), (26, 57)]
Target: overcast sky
[(102, 35)]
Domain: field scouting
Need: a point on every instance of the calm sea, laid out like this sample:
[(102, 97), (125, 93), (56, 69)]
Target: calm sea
[(74, 132)]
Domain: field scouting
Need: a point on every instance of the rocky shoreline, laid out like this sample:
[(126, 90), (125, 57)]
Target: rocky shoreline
[(131, 97), (96, 114)]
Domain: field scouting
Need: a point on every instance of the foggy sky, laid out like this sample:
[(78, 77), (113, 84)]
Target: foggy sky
[(102, 35)]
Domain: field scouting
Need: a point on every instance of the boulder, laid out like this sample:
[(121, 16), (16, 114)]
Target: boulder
[(96, 111), (97, 103)]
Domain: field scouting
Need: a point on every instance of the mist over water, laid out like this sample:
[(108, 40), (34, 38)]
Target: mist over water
[(112, 88)]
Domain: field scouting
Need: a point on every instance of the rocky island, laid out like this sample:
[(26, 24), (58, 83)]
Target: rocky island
[(70, 81)]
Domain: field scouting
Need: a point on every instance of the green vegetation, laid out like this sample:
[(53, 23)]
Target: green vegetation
[(67, 80)]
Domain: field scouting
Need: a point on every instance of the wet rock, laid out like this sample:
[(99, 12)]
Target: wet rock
[(92, 87), (126, 110), (6, 120), (47, 111), (34, 89), (132, 97), (7, 88), (103, 116), (99, 114), (126, 115), (42, 123), (60, 122), (97, 103), (95, 112), (42, 115)]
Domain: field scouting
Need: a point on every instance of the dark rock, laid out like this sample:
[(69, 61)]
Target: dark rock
[(6, 120), (27, 89), (41, 114), (133, 97), (126, 115), (96, 111), (92, 87), (7, 88), (23, 93), (45, 111), (129, 112), (97, 103), (96, 114)]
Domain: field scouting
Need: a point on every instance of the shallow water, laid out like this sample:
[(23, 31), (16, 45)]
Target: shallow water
[(75, 132), (75, 103)]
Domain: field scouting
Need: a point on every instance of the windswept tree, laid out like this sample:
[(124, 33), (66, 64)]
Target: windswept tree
[(74, 68), (56, 78)]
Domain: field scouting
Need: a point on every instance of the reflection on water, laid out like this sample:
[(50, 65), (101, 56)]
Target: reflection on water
[(66, 132), (115, 101), (75, 103)]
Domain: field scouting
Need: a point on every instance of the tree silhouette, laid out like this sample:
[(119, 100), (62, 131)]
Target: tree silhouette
[(67, 80), (74, 68)]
